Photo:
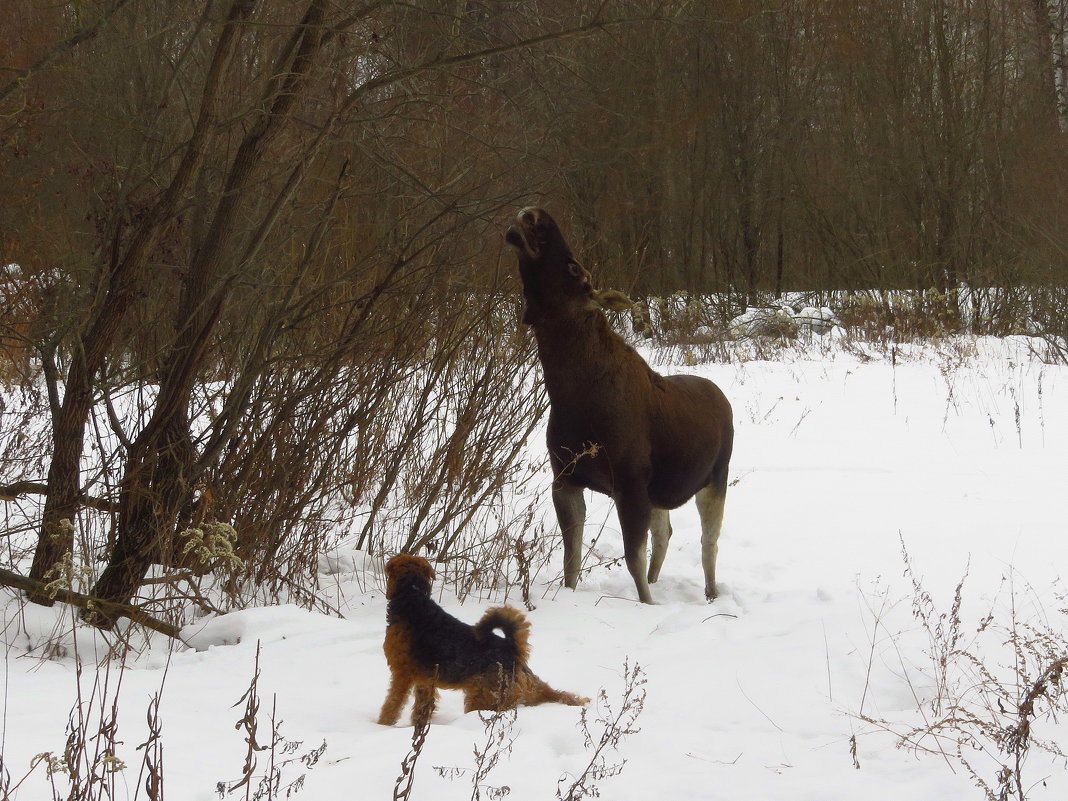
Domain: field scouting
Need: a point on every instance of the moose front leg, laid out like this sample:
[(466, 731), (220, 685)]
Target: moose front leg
[(635, 512), (571, 514)]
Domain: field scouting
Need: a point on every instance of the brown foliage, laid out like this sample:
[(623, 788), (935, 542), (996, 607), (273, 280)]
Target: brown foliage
[(257, 243)]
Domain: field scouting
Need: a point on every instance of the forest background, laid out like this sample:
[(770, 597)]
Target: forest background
[(256, 294)]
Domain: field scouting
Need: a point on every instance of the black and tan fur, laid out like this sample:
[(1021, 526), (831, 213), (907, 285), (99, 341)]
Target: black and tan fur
[(428, 649)]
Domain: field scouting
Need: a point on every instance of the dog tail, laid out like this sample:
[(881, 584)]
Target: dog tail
[(512, 623)]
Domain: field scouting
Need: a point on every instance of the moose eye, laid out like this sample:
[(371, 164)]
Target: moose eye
[(575, 269)]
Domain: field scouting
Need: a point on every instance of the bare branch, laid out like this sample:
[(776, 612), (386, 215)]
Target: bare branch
[(60, 49), (9, 492), (445, 62), (89, 603)]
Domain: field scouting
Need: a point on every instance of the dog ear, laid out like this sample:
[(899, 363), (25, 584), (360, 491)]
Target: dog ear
[(391, 566), (427, 571)]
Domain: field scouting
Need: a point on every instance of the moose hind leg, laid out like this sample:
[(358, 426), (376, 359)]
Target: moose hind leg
[(660, 529), (710, 502), (571, 513)]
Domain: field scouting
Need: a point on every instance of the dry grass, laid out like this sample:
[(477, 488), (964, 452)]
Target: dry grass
[(605, 735), (987, 689)]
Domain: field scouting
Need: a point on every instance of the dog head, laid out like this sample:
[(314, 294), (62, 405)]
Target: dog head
[(406, 571)]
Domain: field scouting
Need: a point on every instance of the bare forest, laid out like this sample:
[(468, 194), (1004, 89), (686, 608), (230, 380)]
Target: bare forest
[(253, 287)]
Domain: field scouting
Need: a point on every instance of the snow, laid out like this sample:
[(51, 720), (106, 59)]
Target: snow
[(842, 459), (758, 321)]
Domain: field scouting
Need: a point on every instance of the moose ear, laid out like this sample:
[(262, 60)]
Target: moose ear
[(612, 300)]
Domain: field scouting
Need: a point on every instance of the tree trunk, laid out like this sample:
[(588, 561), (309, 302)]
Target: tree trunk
[(155, 487), (64, 488), (68, 427)]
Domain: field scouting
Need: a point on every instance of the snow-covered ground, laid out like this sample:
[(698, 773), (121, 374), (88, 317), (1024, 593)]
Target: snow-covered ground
[(956, 454)]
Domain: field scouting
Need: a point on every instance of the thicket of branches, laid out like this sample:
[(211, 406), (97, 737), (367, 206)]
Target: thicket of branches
[(253, 286)]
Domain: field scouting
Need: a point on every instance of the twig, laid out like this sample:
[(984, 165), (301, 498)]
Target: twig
[(402, 788), (757, 708), (60, 49), (617, 598)]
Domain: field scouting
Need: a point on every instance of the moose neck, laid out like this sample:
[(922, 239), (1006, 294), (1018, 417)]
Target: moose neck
[(574, 351)]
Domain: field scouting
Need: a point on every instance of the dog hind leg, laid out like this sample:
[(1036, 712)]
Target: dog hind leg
[(534, 691), (480, 696), (426, 699)]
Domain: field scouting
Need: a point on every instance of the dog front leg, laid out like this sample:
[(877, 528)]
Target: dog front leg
[(395, 698)]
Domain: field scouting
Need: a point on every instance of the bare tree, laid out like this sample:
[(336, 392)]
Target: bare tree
[(260, 192)]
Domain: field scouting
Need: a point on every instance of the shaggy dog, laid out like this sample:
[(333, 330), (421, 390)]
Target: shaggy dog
[(427, 648)]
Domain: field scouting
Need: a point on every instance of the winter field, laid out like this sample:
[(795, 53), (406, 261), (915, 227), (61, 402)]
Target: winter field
[(824, 649)]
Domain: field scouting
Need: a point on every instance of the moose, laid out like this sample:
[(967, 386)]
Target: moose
[(617, 427)]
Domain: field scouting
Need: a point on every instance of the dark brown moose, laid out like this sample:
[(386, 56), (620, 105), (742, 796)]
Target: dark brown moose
[(648, 441)]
